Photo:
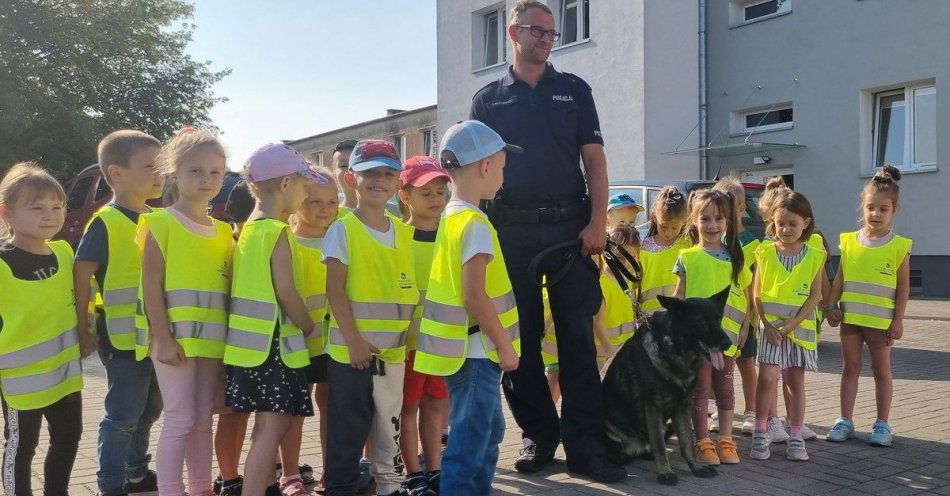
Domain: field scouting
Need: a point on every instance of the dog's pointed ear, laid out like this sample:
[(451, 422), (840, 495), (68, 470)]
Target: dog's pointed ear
[(719, 299), (669, 302)]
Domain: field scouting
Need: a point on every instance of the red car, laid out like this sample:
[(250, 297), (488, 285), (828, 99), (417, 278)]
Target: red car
[(88, 192)]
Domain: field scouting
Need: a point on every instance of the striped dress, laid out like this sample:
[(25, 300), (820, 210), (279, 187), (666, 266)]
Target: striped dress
[(788, 354)]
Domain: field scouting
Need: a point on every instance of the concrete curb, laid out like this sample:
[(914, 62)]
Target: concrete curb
[(943, 318)]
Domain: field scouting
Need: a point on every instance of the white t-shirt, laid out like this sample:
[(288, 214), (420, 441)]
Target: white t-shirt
[(334, 243), (476, 240)]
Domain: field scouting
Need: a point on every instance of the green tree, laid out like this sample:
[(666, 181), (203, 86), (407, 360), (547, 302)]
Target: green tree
[(73, 70)]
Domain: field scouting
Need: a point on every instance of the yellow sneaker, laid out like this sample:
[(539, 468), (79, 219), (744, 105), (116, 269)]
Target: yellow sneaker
[(707, 452), (728, 453)]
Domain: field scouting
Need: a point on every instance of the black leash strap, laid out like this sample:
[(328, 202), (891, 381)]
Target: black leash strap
[(573, 253)]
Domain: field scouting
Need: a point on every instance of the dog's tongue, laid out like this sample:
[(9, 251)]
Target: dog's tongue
[(716, 361)]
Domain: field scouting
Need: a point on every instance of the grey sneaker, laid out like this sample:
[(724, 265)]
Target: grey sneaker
[(796, 450), (760, 446), (808, 434), (881, 434), (841, 431), (777, 430), (748, 424)]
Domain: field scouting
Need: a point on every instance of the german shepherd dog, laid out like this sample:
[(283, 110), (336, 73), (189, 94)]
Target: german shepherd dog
[(651, 380)]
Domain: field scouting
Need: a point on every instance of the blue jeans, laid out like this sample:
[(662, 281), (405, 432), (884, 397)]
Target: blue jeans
[(133, 403), (477, 427)]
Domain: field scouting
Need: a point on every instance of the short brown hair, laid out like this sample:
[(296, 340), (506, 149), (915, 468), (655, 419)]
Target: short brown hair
[(118, 147), (30, 181), (521, 6)]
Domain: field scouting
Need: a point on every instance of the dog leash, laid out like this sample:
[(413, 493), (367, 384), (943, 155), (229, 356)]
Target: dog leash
[(612, 254)]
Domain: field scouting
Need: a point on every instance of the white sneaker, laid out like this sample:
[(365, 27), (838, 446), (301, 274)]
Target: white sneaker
[(808, 434), (748, 425), (777, 430), (714, 422)]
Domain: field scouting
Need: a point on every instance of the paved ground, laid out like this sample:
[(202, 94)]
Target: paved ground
[(918, 463)]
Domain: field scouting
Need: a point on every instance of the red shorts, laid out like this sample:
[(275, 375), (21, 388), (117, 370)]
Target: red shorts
[(416, 384)]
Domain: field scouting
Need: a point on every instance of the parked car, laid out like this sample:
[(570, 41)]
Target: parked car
[(88, 192), (645, 193)]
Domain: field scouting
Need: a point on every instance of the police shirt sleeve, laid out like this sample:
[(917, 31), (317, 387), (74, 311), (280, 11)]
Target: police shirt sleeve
[(588, 128), (94, 245), (477, 110)]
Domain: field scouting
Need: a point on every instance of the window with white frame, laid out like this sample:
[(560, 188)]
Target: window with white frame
[(494, 45), (760, 120), (428, 142), (400, 142), (317, 159), (905, 127), (755, 11), (575, 21)]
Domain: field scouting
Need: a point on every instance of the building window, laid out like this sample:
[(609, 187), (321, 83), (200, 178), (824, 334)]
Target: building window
[(429, 144), (575, 21), (400, 142), (760, 120), (905, 127), (760, 10), (317, 159), (494, 44)]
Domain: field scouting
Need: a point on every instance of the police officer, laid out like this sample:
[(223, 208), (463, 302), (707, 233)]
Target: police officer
[(544, 201)]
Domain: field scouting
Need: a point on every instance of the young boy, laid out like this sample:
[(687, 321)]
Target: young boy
[(622, 209), (372, 293), (107, 250), (340, 166), (469, 329), (423, 184)]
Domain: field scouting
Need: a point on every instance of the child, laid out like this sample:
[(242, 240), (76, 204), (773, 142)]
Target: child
[(786, 292), (616, 320), (310, 225), (341, 165), (185, 303), (372, 295), (422, 190), (714, 262), (622, 209), (470, 325), (266, 349), (661, 247), (745, 362), (872, 284), (38, 332), (108, 251)]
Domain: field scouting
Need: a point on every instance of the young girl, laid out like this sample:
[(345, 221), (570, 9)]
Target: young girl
[(38, 338), (661, 247), (310, 225), (616, 320), (786, 292), (186, 266), (872, 285), (715, 262)]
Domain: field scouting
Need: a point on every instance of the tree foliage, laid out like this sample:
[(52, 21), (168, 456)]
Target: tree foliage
[(73, 70)]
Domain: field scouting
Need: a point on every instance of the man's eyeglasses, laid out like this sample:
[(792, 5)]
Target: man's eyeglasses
[(539, 32)]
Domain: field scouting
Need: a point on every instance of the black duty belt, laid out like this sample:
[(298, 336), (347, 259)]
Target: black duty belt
[(547, 215)]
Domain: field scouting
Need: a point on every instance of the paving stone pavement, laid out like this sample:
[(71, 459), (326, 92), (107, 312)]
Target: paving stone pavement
[(918, 463)]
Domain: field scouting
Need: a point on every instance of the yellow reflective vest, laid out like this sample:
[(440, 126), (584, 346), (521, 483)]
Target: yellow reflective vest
[(381, 290), (619, 317), (870, 280), (423, 251), (784, 293), (310, 276), (255, 313), (120, 287), (707, 275), (444, 331), (197, 283), (39, 344), (658, 276)]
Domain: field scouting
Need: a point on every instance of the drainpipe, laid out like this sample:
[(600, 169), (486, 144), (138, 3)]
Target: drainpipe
[(703, 124)]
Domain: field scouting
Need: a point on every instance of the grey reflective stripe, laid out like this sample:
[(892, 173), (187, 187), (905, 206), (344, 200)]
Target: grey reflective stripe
[(870, 289), (549, 347), (653, 293), (513, 331), (291, 344), (247, 340), (780, 309), (434, 345), (382, 311), (803, 334), (124, 296), (381, 340), (40, 351), (253, 309), (199, 299), (120, 325), (445, 314), (504, 302), (316, 302), (15, 386), (867, 309), (733, 313), (625, 328), (199, 330)]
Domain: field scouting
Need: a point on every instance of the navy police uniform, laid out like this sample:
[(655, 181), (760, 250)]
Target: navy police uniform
[(543, 202)]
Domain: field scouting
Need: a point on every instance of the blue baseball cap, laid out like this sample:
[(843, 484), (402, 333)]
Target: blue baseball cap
[(373, 153), (470, 141), (622, 200)]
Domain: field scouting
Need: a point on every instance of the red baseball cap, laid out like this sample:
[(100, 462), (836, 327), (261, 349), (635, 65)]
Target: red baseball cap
[(420, 170)]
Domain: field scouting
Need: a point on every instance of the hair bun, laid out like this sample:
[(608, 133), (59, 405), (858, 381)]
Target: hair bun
[(887, 173)]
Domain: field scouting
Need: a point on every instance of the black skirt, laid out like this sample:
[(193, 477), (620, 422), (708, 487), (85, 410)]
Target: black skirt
[(269, 387)]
